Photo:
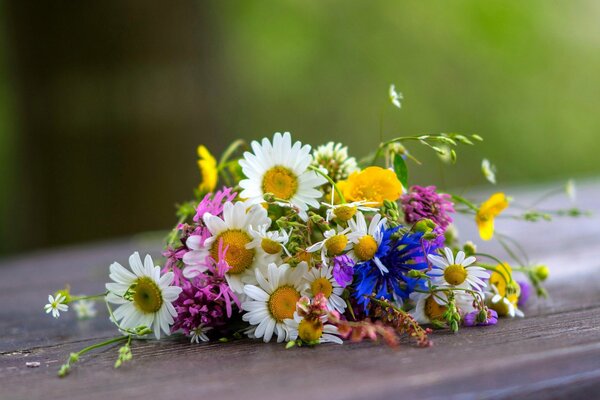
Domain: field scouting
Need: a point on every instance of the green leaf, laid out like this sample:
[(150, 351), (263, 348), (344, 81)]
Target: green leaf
[(401, 170)]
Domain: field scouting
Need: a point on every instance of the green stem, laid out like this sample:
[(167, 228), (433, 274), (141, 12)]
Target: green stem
[(337, 190), (93, 296), (102, 344)]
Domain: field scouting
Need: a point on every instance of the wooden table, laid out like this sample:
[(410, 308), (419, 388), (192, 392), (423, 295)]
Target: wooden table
[(554, 352)]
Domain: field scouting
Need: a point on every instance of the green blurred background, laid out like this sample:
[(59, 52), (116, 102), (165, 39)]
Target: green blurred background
[(102, 104)]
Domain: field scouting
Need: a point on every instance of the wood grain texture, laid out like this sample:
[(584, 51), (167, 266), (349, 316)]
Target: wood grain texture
[(552, 353)]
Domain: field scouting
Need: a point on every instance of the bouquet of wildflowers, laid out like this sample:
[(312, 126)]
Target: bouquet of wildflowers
[(306, 246)]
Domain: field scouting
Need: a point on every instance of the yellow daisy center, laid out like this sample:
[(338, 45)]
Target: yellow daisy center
[(270, 246), (455, 274), (335, 245), (344, 213), (309, 331), (321, 285), (147, 296), (433, 310), (282, 303), (280, 181), (366, 248), (237, 256)]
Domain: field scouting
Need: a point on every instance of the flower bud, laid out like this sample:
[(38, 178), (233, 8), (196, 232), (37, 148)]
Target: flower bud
[(541, 272), (424, 225), (469, 248)]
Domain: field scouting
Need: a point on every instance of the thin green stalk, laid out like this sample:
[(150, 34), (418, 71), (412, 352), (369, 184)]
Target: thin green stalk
[(93, 296), (337, 190)]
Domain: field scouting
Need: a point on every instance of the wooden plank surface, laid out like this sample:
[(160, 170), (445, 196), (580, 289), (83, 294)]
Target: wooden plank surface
[(554, 352)]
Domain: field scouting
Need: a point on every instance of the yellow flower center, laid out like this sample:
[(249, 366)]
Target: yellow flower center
[(280, 181), (282, 303), (335, 245), (455, 274), (237, 255), (321, 285), (310, 331), (344, 213), (366, 248), (146, 295), (433, 310), (270, 246)]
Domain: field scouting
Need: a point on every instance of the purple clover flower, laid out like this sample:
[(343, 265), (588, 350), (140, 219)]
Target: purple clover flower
[(207, 299), (425, 203)]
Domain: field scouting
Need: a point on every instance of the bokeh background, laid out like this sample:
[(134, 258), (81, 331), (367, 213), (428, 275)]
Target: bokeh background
[(102, 104)]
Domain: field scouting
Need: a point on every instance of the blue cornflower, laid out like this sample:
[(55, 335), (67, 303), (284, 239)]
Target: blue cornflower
[(399, 256)]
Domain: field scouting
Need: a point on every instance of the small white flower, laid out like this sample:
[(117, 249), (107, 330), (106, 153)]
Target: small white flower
[(489, 170), (272, 242), (144, 296), (328, 334), (56, 305), (429, 307), (512, 310), (334, 243), (346, 211), (85, 309), (321, 280), (395, 97), (199, 334), (457, 272), (366, 240)]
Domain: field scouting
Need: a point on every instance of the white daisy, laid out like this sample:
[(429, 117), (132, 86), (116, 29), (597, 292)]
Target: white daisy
[(272, 242), (321, 280), (273, 300), (429, 307), (280, 168), (144, 297), (334, 243), (56, 305), (310, 331), (346, 211), (242, 254), (503, 303), (199, 334), (365, 241), (457, 272), (85, 309)]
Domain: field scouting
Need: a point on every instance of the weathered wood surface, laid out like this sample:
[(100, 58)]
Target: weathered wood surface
[(552, 353)]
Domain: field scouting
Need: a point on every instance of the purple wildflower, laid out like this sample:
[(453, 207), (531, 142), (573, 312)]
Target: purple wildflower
[(525, 292), (206, 300), (424, 202), (472, 318), (343, 270), (213, 203)]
